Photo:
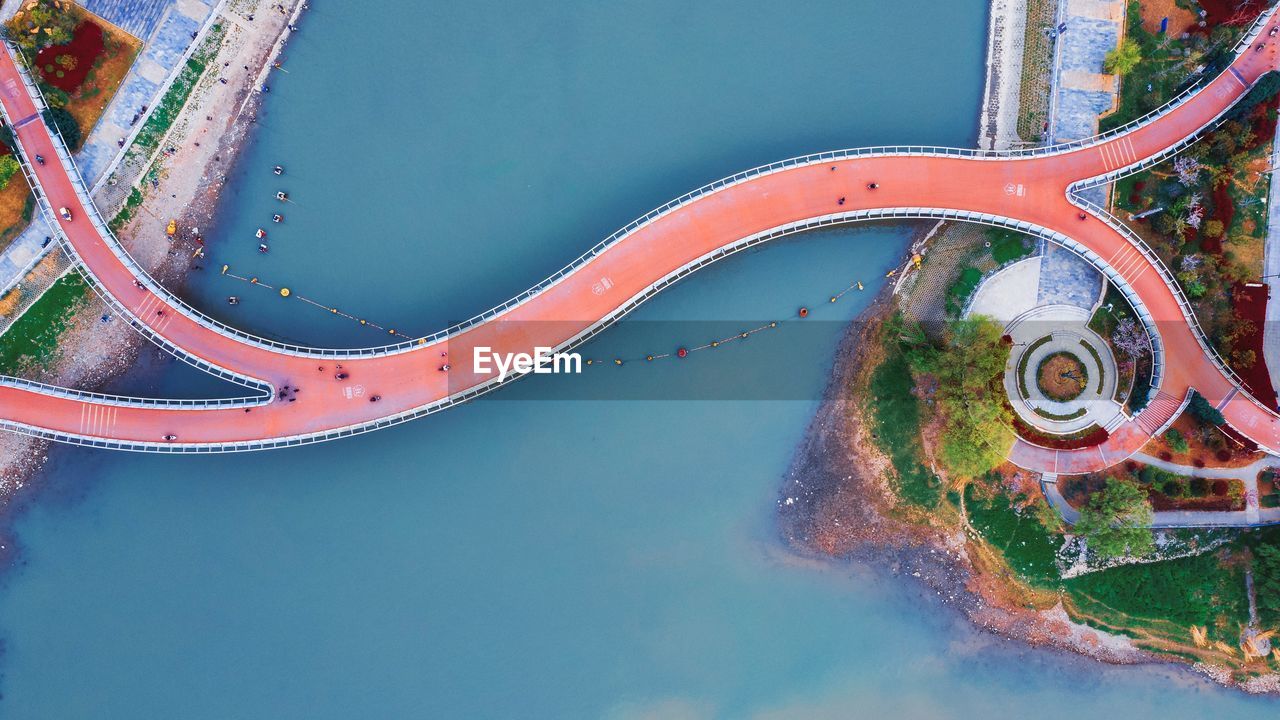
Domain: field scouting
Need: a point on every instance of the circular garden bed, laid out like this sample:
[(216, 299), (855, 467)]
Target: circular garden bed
[(1061, 376)]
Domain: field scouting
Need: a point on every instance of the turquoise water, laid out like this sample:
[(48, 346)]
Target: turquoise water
[(528, 556)]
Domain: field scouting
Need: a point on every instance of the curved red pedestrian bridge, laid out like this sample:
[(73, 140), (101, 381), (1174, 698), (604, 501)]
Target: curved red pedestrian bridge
[(1028, 190)]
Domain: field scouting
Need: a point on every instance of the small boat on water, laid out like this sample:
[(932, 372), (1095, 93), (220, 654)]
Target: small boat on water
[(262, 248), (279, 170), (260, 234), (277, 218), (282, 195), (233, 300)]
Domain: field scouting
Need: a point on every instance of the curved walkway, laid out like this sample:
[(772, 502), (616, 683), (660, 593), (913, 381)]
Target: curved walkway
[(1026, 190)]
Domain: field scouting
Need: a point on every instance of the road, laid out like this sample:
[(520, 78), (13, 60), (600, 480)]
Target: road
[(334, 394)]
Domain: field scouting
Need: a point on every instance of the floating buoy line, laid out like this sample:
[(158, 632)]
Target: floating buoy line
[(285, 292), (680, 352)]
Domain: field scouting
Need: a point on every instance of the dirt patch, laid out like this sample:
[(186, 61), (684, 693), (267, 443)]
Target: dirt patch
[(1180, 19), (1062, 376), (15, 208)]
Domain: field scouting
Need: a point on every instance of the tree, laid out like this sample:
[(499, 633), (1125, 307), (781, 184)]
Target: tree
[(1130, 338), (1203, 411), (1116, 521), (1123, 59), (1266, 570), (975, 434), (41, 23), (62, 121), (8, 167)]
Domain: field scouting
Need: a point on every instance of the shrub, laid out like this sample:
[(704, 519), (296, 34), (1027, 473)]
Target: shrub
[(1199, 487), (1203, 411), (64, 123), (8, 168), (1176, 441), (40, 23)]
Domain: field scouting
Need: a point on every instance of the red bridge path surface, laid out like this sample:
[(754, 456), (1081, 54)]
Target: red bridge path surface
[(409, 382)]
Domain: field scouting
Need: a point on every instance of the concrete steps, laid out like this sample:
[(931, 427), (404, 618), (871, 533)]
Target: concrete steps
[(1160, 412)]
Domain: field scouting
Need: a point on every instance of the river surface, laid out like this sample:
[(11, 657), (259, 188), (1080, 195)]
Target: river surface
[(528, 555)]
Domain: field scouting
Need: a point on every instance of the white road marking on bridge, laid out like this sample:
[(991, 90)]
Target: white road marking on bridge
[(601, 285), (353, 391)]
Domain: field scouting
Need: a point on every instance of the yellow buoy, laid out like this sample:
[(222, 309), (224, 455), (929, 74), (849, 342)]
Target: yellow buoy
[(362, 322), (225, 268), (859, 284), (617, 361), (284, 292)]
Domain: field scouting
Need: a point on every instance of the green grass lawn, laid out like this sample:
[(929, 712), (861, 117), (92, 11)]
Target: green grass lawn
[(1186, 591), (1007, 245), (34, 337), (1026, 545), (895, 418)]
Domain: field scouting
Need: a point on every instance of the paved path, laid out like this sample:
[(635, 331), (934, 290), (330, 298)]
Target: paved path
[(1029, 191), (1252, 516)]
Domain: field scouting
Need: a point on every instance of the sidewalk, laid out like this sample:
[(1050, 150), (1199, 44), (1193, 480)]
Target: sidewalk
[(1251, 516), (170, 24)]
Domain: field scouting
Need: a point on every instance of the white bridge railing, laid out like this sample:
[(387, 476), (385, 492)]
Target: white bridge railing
[(633, 226), (112, 242)]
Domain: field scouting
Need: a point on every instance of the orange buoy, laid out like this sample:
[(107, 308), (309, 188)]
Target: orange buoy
[(804, 312), (682, 353), (649, 358)]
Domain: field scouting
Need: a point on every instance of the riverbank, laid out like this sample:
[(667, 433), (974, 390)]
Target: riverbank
[(998, 120), (854, 496), (206, 138), (837, 503)]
